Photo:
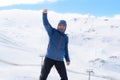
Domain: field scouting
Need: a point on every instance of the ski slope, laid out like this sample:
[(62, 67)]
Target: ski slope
[(94, 44)]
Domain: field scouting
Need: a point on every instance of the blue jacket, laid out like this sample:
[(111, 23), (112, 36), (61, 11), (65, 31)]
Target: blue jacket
[(58, 42)]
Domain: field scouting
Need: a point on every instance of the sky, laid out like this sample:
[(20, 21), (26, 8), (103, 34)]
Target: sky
[(94, 7)]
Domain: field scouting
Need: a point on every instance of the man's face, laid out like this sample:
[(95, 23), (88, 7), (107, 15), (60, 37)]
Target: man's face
[(61, 27)]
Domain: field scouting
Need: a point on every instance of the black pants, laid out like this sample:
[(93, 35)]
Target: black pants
[(48, 64)]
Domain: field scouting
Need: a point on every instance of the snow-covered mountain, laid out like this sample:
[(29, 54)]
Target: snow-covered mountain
[(94, 44)]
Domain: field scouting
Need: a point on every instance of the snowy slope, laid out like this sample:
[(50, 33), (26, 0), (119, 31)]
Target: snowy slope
[(94, 44)]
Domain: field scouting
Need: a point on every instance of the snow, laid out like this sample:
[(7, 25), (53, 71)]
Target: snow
[(94, 44)]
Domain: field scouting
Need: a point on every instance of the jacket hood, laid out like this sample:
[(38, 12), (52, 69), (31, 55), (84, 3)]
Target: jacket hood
[(64, 23)]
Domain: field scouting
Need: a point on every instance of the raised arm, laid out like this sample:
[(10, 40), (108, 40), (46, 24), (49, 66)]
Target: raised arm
[(46, 23)]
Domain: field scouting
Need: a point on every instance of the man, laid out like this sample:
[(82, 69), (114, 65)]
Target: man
[(57, 49)]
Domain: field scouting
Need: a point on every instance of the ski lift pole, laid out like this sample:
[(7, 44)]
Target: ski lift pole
[(89, 73), (42, 57)]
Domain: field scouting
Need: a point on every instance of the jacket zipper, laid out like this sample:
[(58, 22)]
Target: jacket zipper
[(59, 44)]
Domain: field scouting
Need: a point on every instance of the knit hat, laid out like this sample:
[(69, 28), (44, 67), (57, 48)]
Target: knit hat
[(62, 22)]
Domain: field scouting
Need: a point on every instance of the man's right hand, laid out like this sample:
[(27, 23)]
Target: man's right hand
[(45, 11)]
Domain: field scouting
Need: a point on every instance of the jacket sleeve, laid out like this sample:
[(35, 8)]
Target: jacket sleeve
[(47, 25), (67, 58)]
